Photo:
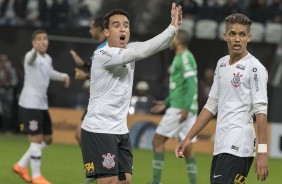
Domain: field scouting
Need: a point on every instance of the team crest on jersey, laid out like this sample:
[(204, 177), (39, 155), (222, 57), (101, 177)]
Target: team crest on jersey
[(33, 125), (236, 81), (109, 161)]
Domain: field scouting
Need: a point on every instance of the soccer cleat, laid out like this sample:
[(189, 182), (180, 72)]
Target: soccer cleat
[(22, 172), (39, 180)]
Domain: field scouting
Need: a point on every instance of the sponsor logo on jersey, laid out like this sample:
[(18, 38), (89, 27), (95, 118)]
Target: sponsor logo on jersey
[(109, 161), (33, 125), (241, 67), (235, 147), (236, 81), (222, 65), (256, 79), (89, 167), (239, 179), (106, 53)]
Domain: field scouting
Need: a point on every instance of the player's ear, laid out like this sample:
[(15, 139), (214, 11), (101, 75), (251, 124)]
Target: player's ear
[(224, 36), (106, 32), (249, 37), (33, 42)]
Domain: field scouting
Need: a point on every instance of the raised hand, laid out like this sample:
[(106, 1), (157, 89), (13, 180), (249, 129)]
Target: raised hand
[(76, 58), (176, 15)]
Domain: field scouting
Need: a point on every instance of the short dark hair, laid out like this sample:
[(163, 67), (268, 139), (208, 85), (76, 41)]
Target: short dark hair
[(36, 32), (238, 18), (98, 22), (183, 36), (111, 13)]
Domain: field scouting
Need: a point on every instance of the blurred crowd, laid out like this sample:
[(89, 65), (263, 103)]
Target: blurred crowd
[(10, 87), (75, 13), (145, 18)]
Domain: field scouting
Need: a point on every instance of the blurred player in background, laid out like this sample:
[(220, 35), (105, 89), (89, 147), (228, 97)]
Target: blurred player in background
[(183, 107), (239, 92), (96, 30), (105, 142), (33, 106)]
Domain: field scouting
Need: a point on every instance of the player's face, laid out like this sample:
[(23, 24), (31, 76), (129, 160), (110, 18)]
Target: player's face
[(94, 31), (174, 44), (237, 37), (40, 43), (118, 33)]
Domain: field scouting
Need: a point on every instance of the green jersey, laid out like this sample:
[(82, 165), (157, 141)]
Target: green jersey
[(183, 85)]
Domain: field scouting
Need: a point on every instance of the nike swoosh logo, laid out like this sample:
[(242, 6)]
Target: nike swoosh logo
[(216, 176)]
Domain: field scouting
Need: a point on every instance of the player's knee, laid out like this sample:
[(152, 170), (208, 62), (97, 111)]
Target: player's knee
[(158, 142), (48, 140), (124, 178)]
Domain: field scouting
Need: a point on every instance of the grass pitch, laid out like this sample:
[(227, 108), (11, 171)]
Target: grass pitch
[(62, 164)]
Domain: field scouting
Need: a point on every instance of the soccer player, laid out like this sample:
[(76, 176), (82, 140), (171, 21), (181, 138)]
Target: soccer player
[(96, 28), (33, 106), (183, 107), (105, 141), (238, 93)]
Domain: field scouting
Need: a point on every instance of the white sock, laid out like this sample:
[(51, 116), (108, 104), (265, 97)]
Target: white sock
[(24, 161), (35, 159)]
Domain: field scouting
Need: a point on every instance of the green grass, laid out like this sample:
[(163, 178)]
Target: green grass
[(62, 164)]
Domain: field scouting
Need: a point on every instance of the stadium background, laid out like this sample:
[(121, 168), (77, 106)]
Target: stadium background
[(67, 104)]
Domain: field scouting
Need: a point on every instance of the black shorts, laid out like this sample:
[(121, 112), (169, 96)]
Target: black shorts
[(34, 121), (106, 155), (230, 169)]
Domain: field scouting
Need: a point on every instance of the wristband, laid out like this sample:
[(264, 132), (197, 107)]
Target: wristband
[(262, 148)]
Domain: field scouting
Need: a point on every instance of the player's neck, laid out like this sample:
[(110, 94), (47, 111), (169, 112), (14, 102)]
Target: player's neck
[(101, 38), (180, 49), (235, 58)]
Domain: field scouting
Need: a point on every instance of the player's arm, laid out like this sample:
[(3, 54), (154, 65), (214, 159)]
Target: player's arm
[(77, 58), (160, 42), (207, 113), (58, 76), (261, 166), (191, 86), (81, 75), (202, 120), (259, 80)]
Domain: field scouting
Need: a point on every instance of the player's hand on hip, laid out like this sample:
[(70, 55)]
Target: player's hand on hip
[(66, 81), (183, 115), (176, 15), (158, 107), (76, 58), (261, 166)]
